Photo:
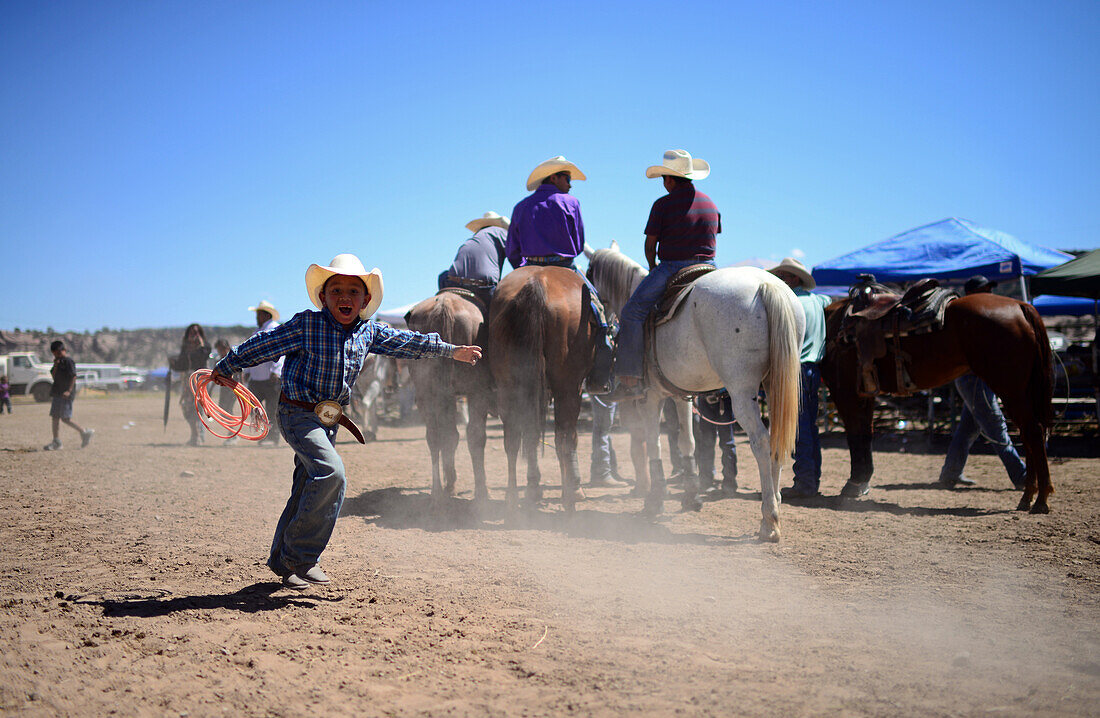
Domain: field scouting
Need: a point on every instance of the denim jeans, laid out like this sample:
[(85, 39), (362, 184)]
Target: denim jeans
[(981, 414), (629, 357), (603, 453), (316, 494), (706, 434), (807, 446)]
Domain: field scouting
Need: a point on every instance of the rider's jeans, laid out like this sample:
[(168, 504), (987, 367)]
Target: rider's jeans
[(629, 354), (981, 414), (603, 453), (807, 445), (316, 494)]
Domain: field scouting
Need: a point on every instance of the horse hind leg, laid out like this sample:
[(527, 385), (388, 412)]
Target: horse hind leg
[(478, 409), (748, 416), (1038, 472)]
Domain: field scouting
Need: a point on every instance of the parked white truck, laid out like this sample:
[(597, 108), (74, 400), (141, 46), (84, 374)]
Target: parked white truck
[(26, 375), (29, 376)]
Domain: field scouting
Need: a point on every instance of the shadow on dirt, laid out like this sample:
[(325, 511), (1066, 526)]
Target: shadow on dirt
[(841, 503), (250, 599), (403, 508)]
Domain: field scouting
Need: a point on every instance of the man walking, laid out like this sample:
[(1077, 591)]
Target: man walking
[(62, 393), (981, 414)]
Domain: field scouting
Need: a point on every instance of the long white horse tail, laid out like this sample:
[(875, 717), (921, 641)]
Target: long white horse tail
[(784, 369)]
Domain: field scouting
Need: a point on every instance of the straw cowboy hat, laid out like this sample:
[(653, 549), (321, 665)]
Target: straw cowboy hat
[(798, 269), (349, 265), (678, 163), (266, 306), (489, 219), (551, 167)]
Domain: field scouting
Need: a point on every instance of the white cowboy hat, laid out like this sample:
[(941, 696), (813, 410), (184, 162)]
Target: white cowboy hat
[(550, 167), (266, 306), (678, 163), (489, 219), (798, 269), (349, 265)]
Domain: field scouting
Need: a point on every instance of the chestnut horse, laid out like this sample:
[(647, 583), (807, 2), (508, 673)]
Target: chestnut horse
[(1001, 340), (459, 319), (541, 342)]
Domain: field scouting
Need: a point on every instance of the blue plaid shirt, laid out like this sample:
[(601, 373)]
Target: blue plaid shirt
[(323, 358)]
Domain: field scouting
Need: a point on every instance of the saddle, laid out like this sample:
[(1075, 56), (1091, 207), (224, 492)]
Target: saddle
[(466, 294), (675, 292), (877, 314)]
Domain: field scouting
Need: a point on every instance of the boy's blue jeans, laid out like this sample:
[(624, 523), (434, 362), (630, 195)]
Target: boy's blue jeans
[(981, 414), (629, 355), (316, 494), (807, 446)]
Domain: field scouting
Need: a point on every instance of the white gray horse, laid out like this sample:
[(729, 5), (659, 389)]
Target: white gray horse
[(368, 395), (738, 328)]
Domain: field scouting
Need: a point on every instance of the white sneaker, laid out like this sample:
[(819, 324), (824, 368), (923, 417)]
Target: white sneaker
[(52, 446), (86, 437)]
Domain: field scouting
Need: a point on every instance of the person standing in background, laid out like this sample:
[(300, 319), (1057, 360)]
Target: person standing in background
[(265, 379), (5, 394), (194, 354), (807, 446)]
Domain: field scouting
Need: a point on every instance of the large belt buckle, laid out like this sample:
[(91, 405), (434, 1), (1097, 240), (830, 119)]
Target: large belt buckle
[(329, 412)]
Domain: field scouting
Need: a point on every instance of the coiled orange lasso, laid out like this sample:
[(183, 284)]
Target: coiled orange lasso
[(252, 424)]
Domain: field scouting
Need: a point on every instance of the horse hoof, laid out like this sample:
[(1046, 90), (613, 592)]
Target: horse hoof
[(854, 490), (691, 504), (1024, 505), (1040, 508), (653, 507), (770, 536)]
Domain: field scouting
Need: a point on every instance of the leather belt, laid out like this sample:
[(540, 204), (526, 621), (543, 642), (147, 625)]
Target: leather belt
[(547, 259), (470, 282), (329, 412)]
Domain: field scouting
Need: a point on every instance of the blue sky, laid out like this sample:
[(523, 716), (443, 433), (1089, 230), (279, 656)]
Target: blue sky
[(169, 162)]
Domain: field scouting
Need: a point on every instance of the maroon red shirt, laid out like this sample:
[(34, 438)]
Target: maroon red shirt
[(686, 223)]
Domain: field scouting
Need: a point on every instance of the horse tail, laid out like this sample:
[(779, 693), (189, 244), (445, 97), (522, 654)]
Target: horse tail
[(442, 320), (1042, 371), (784, 369), (524, 323)]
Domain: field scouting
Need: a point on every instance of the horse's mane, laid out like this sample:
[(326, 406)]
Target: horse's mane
[(615, 276)]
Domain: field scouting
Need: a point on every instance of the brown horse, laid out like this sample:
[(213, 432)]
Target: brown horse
[(541, 341), (1001, 340), (459, 319)]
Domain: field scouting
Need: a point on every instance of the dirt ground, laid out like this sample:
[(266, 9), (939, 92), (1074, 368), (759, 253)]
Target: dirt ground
[(132, 583)]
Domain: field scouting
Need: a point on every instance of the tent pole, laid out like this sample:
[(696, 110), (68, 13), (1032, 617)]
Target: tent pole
[(1023, 289)]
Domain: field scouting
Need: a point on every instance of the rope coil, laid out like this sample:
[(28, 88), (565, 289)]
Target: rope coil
[(252, 423)]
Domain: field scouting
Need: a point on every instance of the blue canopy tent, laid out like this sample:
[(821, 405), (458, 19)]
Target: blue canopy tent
[(951, 249)]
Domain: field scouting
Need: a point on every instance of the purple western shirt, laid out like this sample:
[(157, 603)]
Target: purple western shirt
[(546, 222)]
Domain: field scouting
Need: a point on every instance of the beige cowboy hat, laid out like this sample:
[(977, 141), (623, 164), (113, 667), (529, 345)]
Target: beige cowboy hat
[(678, 163), (349, 265), (266, 306), (551, 167), (798, 269), (489, 219)]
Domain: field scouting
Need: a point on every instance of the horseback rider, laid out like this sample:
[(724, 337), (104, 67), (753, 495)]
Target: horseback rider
[(682, 230), (479, 260), (547, 230)]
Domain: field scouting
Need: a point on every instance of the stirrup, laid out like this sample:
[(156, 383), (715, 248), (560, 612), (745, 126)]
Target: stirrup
[(621, 392)]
